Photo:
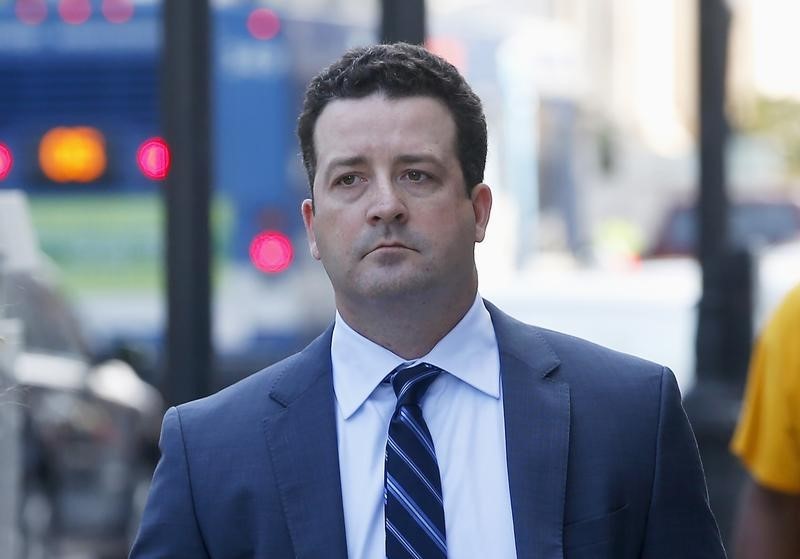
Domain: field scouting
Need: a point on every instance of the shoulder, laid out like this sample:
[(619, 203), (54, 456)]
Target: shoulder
[(791, 301), (765, 435), (785, 322), (606, 382), (263, 393), (776, 355), (604, 385), (589, 357), (568, 357)]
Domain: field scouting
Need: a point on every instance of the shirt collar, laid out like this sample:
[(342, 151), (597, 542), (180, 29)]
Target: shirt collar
[(468, 352)]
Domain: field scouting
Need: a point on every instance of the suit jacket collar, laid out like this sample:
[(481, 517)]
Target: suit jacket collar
[(537, 418), (301, 437)]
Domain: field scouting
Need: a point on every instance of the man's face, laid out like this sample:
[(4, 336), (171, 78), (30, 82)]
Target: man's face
[(391, 213)]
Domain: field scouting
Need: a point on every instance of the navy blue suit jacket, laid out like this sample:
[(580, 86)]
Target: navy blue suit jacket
[(602, 462)]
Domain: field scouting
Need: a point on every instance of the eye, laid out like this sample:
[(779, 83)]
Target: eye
[(416, 176), (347, 180)]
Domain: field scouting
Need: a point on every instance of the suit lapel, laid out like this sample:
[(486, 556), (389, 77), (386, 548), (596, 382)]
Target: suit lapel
[(301, 437), (537, 418), (302, 442)]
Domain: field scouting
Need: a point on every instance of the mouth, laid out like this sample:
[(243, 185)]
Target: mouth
[(390, 247)]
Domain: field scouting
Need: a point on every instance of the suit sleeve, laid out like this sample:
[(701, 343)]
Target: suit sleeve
[(679, 521), (169, 526)]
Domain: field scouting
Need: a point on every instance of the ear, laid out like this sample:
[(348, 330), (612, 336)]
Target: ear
[(481, 197), (307, 210)]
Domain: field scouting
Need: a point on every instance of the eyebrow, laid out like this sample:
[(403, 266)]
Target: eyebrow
[(418, 158), (407, 159), (346, 162), (326, 171)]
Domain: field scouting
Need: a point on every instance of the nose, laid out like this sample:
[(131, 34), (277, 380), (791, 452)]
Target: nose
[(387, 205)]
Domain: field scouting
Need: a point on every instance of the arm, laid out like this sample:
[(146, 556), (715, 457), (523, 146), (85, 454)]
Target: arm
[(768, 524), (679, 521), (169, 526)]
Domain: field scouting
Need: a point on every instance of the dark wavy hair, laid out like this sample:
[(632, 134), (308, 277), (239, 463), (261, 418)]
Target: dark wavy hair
[(398, 70)]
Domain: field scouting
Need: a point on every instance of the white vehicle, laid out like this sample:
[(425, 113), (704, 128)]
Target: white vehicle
[(89, 433), (648, 309)]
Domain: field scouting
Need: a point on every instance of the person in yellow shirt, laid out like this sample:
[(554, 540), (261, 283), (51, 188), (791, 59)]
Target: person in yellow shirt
[(767, 440)]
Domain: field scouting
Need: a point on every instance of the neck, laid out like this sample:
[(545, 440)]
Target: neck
[(408, 326)]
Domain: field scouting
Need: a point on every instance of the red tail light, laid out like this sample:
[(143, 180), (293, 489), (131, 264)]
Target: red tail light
[(263, 24), (6, 161), (31, 12), (271, 252), (74, 11), (154, 159), (117, 11)]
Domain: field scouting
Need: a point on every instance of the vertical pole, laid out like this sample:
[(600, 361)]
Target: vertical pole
[(403, 20), (186, 108), (713, 200), (725, 313)]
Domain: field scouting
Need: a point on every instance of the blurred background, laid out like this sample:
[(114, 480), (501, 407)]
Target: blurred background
[(595, 160)]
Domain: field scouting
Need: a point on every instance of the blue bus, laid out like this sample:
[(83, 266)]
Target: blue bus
[(80, 133)]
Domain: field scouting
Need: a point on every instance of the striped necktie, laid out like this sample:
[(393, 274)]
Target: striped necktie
[(414, 510)]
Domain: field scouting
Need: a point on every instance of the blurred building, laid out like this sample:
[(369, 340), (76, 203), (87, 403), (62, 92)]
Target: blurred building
[(630, 67)]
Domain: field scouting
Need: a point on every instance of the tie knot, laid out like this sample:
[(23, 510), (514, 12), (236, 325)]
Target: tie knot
[(411, 383)]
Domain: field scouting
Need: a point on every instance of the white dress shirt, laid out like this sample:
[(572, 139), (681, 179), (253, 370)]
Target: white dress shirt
[(464, 412)]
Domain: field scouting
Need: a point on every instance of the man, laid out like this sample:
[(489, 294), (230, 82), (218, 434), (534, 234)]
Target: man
[(424, 422), (767, 440)]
